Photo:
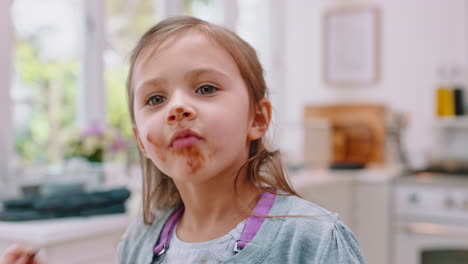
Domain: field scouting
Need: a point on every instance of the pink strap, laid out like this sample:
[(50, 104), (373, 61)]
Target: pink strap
[(252, 225), (167, 232), (255, 221)]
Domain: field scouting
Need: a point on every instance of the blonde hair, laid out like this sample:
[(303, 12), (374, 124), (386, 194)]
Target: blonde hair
[(263, 167)]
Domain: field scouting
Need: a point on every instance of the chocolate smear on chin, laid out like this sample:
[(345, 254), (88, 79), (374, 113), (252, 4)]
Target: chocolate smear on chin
[(194, 157)]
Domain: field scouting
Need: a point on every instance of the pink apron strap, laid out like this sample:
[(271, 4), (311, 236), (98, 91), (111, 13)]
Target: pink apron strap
[(255, 221), (167, 232), (252, 225)]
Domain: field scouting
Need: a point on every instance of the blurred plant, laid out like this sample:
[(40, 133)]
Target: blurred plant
[(94, 144)]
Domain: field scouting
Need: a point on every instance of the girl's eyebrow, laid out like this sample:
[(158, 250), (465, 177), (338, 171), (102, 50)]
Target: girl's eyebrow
[(196, 73), (150, 83)]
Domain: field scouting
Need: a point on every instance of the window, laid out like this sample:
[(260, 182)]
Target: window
[(126, 22), (48, 37), (46, 66)]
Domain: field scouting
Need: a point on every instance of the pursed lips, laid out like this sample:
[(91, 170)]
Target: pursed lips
[(184, 138)]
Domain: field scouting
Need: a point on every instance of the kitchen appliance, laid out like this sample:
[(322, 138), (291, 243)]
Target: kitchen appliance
[(357, 132), (449, 151), (430, 219)]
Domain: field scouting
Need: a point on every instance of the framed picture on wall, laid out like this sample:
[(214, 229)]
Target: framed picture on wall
[(351, 40)]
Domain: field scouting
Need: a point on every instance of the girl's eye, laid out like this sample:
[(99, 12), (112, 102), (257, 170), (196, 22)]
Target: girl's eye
[(155, 100), (206, 89)]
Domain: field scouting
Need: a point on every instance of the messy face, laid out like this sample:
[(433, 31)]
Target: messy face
[(191, 109)]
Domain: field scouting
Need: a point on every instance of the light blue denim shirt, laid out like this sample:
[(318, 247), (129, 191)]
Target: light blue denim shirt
[(317, 236)]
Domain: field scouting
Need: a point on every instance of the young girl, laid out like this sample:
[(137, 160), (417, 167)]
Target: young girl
[(212, 192)]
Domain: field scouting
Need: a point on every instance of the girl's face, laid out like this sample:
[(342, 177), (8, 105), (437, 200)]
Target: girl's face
[(191, 109)]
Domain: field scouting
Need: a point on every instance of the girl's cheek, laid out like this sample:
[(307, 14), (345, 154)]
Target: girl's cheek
[(155, 146), (153, 138)]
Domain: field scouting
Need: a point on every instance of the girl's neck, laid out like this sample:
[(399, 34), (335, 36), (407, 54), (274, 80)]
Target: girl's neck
[(213, 210)]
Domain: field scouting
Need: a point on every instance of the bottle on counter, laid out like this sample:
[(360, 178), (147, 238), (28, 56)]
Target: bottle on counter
[(458, 91), (445, 103)]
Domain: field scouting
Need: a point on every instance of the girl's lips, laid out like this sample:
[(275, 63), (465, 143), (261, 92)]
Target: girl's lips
[(184, 138), (185, 142)]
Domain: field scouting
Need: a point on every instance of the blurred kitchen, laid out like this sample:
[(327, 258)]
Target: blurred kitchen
[(369, 111)]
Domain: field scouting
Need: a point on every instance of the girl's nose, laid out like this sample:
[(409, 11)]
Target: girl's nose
[(179, 113)]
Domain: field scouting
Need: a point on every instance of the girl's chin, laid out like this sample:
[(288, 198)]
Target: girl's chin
[(190, 161), (190, 178)]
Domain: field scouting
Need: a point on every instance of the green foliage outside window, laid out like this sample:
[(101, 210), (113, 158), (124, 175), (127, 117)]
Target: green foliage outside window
[(44, 82)]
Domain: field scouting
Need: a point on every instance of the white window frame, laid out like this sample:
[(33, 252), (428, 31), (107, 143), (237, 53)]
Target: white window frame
[(6, 116), (91, 97)]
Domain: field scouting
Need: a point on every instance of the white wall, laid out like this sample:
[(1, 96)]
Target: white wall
[(416, 37)]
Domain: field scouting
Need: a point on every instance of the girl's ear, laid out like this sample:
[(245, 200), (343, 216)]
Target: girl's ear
[(261, 120), (136, 135)]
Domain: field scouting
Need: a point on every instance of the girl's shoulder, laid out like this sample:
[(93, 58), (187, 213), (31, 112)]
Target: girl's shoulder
[(304, 218), (316, 228), (296, 206)]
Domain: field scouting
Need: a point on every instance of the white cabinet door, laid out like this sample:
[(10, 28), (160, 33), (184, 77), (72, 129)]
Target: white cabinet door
[(372, 221), (362, 200), (335, 196)]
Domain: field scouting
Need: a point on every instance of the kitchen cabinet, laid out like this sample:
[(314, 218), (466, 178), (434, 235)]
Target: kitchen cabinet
[(361, 198), (372, 219), (333, 195)]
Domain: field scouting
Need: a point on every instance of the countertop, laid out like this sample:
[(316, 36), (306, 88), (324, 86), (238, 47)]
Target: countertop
[(434, 180), (54, 231), (377, 175)]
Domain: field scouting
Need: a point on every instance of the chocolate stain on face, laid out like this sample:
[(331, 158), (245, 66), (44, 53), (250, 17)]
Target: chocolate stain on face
[(193, 155), (195, 159), (156, 146)]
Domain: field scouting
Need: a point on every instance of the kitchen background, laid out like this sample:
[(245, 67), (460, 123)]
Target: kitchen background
[(405, 198), (417, 38)]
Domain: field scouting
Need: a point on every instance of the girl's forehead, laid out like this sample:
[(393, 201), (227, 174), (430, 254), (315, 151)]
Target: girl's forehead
[(199, 47), (158, 46)]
